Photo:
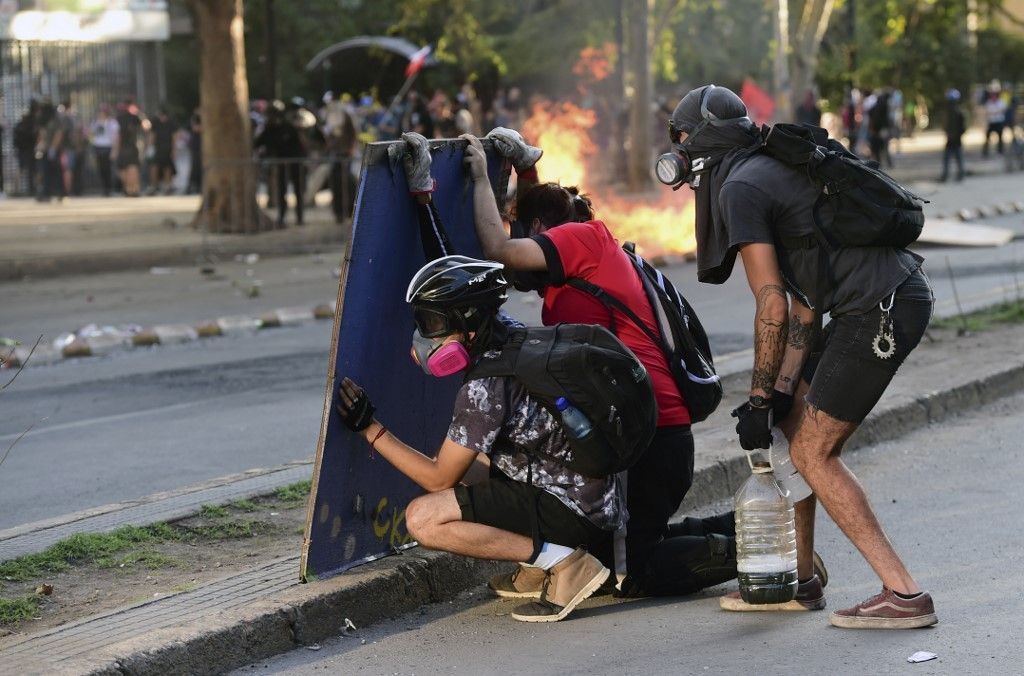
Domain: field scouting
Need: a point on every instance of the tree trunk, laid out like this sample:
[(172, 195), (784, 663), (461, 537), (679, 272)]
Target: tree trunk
[(640, 79), (781, 66), (805, 46), (229, 176)]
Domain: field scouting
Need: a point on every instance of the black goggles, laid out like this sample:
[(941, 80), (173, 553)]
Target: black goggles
[(432, 323)]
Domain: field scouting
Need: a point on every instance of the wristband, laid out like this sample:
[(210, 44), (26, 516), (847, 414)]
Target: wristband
[(529, 175), (381, 432), (433, 187)]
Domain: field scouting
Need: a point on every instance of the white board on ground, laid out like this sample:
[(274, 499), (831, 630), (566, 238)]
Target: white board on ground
[(954, 233)]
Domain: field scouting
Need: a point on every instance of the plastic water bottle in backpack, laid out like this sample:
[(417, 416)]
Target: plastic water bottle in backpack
[(575, 423), (765, 539)]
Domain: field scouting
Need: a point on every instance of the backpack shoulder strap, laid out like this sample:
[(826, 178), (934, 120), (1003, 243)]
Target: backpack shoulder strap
[(610, 302), (503, 364)]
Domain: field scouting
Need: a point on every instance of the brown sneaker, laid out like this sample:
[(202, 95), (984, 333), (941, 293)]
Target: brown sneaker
[(888, 611), (569, 582), (525, 582), (809, 596)]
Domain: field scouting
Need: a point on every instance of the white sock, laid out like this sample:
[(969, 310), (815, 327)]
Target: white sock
[(550, 555)]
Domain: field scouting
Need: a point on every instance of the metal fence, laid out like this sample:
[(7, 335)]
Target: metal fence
[(87, 74)]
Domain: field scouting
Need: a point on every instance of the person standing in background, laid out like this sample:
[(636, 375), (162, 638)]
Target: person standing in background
[(807, 113), (103, 132), (954, 128), (995, 113), (195, 147), (48, 151), (126, 147), (161, 141), (25, 135)]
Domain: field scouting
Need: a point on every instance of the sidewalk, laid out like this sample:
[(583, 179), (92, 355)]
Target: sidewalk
[(97, 234), (238, 620)]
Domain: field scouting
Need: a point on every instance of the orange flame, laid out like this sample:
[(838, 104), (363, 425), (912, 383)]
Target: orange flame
[(660, 222)]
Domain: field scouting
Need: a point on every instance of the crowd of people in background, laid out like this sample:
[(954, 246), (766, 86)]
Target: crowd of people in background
[(59, 153), (875, 120), (312, 146)]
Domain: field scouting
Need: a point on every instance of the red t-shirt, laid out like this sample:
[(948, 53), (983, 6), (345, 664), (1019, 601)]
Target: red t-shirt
[(590, 252)]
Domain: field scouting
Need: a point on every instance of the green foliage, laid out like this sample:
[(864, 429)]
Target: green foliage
[(213, 511), (244, 506), (984, 319), (101, 548), (13, 611), (294, 494), (920, 46)]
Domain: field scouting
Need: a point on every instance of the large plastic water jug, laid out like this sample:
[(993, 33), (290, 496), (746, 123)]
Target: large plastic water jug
[(765, 539)]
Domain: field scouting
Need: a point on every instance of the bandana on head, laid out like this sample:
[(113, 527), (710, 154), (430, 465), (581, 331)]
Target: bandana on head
[(714, 149)]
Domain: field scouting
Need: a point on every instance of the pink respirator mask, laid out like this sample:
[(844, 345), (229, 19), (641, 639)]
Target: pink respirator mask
[(438, 359)]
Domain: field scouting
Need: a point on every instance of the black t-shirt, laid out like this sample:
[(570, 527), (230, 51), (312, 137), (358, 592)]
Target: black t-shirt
[(765, 200), (130, 125), (163, 135)]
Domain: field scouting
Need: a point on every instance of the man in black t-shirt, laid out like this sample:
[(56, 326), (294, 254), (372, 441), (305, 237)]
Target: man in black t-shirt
[(161, 142), (818, 385)]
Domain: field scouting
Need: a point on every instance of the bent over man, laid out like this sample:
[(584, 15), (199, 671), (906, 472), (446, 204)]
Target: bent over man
[(532, 507), (821, 385)]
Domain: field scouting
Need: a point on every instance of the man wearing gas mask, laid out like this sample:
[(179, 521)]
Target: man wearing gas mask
[(817, 385), (532, 507)]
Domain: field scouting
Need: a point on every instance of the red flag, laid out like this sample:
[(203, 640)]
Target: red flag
[(760, 105), (416, 61)]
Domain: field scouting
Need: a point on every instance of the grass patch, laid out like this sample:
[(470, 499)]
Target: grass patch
[(213, 511), (102, 548), (244, 506), (145, 558), (13, 611), (985, 318), (294, 494)]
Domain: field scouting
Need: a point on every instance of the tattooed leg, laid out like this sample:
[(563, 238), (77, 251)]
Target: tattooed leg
[(816, 450)]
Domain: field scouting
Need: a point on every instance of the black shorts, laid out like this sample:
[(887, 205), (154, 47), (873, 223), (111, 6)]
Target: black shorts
[(846, 377), (522, 508)]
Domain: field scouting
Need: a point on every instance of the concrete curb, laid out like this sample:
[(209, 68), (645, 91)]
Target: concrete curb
[(169, 334), (300, 615), (986, 211)]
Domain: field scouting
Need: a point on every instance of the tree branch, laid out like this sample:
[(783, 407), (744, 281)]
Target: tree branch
[(21, 367), (20, 437)]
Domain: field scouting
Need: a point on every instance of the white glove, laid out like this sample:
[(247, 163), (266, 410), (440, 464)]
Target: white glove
[(416, 158), (510, 144)]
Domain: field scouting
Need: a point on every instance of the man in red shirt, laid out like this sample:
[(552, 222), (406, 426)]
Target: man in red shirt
[(580, 247)]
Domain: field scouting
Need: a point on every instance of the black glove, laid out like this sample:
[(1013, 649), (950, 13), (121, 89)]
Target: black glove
[(359, 414), (782, 404), (754, 426)]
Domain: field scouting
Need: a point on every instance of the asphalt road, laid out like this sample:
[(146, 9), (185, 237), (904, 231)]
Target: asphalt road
[(133, 423), (949, 497)]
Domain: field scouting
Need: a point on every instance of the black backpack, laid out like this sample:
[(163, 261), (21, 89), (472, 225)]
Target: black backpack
[(597, 374), (859, 205), (681, 336)]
